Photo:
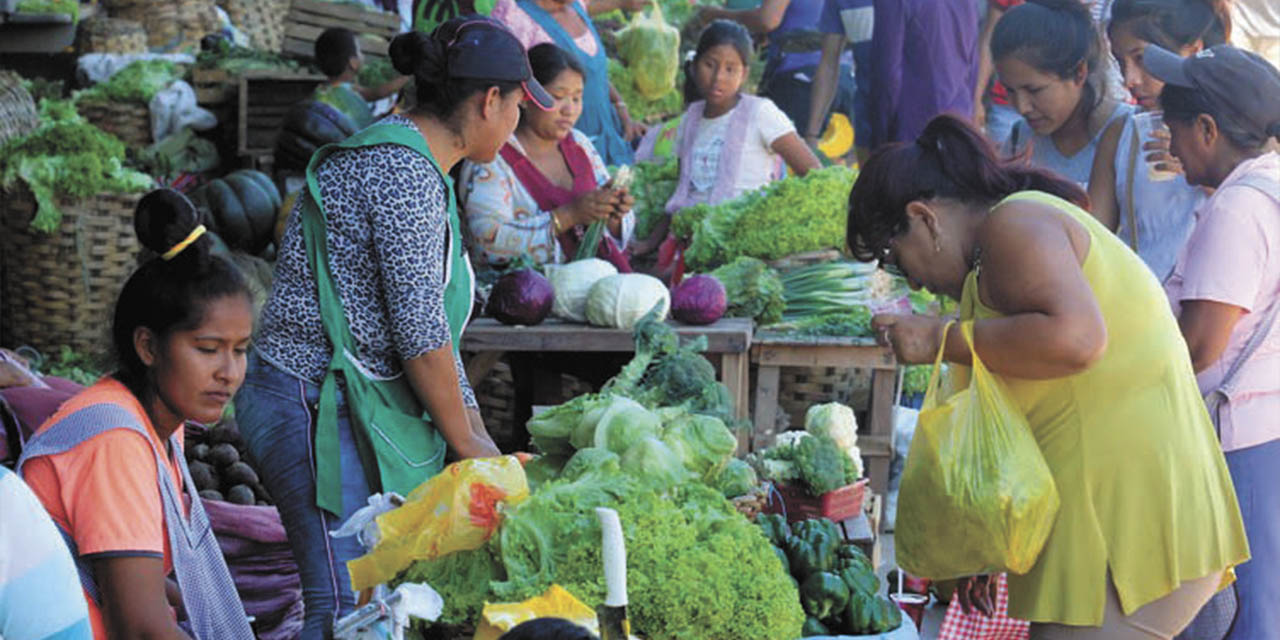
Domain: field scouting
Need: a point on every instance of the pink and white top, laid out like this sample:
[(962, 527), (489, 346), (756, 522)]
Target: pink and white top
[(1233, 257), (530, 33)]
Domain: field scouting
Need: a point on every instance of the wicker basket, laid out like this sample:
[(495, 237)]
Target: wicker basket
[(802, 387), (18, 113), (112, 35), (170, 25), (127, 121), (262, 21), (60, 288)]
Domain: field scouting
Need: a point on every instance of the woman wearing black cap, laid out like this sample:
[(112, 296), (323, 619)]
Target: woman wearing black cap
[(355, 385), (1222, 107)]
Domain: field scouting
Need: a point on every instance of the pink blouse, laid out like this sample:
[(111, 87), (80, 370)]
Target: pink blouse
[(530, 33)]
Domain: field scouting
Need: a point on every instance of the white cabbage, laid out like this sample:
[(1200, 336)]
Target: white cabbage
[(572, 282), (619, 301)]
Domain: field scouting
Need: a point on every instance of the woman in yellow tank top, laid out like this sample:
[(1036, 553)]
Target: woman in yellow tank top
[(1080, 332)]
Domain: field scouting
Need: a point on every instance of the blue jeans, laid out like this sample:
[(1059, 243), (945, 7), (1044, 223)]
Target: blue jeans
[(276, 413), (1256, 474)]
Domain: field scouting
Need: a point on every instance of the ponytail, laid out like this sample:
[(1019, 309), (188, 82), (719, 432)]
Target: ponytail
[(951, 159), (168, 292)]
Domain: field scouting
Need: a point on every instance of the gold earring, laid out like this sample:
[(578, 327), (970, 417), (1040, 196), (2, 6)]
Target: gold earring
[(937, 246)]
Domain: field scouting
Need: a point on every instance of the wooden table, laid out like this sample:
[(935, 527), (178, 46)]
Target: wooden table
[(772, 350), (729, 339)]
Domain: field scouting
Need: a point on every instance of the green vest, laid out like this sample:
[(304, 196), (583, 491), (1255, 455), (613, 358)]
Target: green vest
[(398, 447)]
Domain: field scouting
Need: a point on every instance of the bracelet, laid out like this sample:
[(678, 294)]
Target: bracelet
[(555, 224)]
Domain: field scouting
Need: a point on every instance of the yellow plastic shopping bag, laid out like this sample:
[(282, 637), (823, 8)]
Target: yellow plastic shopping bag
[(457, 510), (497, 619), (976, 496)]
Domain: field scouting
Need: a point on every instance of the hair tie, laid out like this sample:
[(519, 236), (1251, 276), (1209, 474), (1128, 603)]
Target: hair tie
[(186, 242)]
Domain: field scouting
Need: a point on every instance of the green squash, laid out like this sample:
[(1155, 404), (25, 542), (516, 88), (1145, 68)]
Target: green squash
[(241, 208), (226, 215), (259, 209)]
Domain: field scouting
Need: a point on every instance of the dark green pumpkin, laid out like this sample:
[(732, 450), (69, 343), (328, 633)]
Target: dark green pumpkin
[(308, 126), (241, 208)]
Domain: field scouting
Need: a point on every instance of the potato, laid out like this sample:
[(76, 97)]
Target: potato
[(203, 475), (199, 452), (240, 473), (210, 494), (224, 455), (240, 494)]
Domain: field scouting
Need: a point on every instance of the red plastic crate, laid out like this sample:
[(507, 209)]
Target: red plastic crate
[(796, 503)]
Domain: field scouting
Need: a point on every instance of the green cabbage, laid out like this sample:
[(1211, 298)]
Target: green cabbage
[(702, 443), (736, 479), (651, 49), (590, 460), (619, 301), (625, 423), (654, 463)]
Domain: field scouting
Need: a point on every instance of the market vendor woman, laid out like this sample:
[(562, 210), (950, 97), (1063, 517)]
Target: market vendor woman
[(108, 466), (548, 182), (355, 385), (1076, 327)]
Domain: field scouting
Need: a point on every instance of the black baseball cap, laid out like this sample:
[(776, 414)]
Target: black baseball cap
[(482, 48), (1238, 84)]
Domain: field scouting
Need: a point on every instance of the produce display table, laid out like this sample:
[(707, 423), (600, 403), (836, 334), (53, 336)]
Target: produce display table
[(771, 350), (729, 338)]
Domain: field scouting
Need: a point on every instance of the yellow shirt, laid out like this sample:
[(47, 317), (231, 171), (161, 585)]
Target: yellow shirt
[(1144, 486)]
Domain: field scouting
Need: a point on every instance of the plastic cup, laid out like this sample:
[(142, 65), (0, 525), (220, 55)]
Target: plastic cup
[(1147, 123), (911, 604)]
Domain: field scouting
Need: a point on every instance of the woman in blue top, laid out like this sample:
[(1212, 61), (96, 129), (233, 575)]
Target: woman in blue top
[(1048, 55), (1136, 188)]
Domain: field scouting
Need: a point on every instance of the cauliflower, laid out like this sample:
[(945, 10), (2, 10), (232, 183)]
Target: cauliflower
[(836, 421)]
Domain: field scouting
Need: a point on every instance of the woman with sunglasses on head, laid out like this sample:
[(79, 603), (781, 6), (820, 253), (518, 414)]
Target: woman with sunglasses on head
[(1077, 329), (1222, 107), (355, 385)]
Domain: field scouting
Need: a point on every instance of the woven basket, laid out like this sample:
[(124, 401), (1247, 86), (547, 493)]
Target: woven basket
[(262, 21), (170, 26), (60, 288), (18, 113), (129, 122), (112, 35), (802, 387)]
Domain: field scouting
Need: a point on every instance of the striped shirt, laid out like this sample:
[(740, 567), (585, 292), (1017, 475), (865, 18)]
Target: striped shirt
[(40, 595)]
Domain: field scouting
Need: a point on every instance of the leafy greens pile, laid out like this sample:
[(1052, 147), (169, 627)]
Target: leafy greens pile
[(785, 217), (754, 290), (641, 108), (66, 158), (139, 81), (653, 185)]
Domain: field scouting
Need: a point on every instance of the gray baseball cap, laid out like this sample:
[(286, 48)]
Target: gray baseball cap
[(1239, 85)]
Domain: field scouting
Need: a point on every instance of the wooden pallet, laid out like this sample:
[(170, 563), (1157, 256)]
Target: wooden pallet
[(265, 98), (307, 19)]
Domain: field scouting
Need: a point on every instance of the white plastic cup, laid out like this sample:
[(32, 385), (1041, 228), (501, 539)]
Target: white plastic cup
[(1147, 123)]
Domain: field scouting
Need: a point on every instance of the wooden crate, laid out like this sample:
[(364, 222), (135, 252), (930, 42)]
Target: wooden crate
[(265, 98), (214, 87), (307, 19)]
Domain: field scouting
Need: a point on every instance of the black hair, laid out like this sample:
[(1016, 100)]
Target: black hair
[(1174, 24), (334, 50), (1053, 36), (715, 34), (1184, 104), (168, 295), (425, 58), (951, 159), (548, 629), (548, 61)]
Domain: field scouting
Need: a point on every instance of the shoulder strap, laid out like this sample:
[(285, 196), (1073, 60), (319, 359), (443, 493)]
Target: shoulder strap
[(1135, 146)]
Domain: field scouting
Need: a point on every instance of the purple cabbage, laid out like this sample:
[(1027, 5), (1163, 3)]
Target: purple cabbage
[(521, 297), (699, 300)]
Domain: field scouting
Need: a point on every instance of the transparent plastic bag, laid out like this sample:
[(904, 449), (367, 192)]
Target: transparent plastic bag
[(977, 496), (457, 510)]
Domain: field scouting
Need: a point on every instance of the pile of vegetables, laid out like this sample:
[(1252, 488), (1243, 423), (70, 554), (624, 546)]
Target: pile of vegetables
[(222, 54), (653, 186), (754, 290), (139, 82), (838, 586), (822, 458), (66, 158), (785, 217), (641, 108), (65, 7), (71, 365), (241, 208), (216, 459)]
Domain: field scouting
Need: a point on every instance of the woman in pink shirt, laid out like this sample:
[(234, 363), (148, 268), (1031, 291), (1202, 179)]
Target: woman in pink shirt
[(1222, 106)]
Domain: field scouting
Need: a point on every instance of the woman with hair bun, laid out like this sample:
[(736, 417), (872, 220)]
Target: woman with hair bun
[(1079, 333), (1048, 55), (355, 385), (108, 466)]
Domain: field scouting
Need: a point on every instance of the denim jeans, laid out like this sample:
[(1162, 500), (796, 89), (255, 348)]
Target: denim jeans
[(1256, 474), (276, 413)]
